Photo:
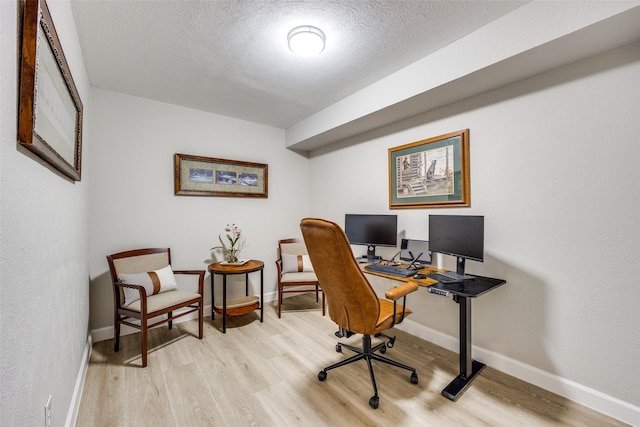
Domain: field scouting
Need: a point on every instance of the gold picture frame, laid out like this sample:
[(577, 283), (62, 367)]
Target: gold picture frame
[(208, 176), (50, 109), (431, 173)]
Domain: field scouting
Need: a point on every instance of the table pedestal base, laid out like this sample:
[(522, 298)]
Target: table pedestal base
[(460, 383)]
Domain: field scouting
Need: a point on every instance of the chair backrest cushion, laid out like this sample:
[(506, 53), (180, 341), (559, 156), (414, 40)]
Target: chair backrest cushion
[(154, 282), (296, 264), (295, 257), (353, 304)]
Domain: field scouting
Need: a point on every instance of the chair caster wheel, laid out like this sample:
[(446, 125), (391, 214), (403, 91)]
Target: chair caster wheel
[(383, 350), (414, 378), (391, 342), (374, 402), (338, 348), (322, 375)]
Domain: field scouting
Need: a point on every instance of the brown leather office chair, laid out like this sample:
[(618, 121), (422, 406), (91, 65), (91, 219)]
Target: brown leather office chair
[(353, 304), (294, 276), (144, 287)]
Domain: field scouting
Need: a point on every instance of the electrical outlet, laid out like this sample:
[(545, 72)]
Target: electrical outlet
[(47, 412)]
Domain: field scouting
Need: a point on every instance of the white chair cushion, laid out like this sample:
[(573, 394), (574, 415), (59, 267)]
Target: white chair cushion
[(167, 299), (154, 282), (298, 277)]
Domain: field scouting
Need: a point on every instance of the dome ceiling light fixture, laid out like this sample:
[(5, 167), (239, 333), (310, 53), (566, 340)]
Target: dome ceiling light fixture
[(306, 40)]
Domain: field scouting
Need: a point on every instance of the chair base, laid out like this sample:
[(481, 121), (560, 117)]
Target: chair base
[(367, 352)]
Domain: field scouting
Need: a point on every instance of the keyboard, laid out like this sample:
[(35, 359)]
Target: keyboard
[(390, 269), (448, 277)]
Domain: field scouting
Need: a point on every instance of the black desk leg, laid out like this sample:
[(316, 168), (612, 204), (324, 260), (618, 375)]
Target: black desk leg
[(224, 303), (469, 368), (261, 295)]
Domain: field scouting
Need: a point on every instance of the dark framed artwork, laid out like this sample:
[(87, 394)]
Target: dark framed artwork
[(431, 173), (50, 109), (208, 176)]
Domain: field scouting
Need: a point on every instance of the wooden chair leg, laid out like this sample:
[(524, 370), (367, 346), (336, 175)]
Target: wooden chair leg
[(279, 301), (116, 333), (200, 320), (143, 340), (170, 314)]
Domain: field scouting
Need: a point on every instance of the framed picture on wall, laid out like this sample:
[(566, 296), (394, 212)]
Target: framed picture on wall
[(50, 114), (208, 176), (431, 173)]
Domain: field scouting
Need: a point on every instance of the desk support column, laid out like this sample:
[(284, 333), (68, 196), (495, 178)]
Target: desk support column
[(469, 368), (465, 337)]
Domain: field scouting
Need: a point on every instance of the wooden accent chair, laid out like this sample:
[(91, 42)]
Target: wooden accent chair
[(295, 272), (353, 304), (144, 287)]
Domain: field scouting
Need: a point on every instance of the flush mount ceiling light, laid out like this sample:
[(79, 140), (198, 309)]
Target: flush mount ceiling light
[(306, 40)]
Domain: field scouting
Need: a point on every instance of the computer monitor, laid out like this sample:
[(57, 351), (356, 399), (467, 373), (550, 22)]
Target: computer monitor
[(461, 236), (371, 231), (415, 251)]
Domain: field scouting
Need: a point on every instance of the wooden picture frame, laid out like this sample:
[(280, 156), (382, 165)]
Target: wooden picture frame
[(50, 109), (208, 176), (432, 173)]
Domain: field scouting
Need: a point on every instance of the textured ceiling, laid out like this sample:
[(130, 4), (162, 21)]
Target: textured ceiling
[(230, 57)]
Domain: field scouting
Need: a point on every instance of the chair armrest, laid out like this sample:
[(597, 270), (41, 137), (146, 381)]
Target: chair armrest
[(401, 291), (199, 273), (398, 292), (141, 290)]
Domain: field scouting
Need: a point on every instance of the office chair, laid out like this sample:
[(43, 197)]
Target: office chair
[(352, 302)]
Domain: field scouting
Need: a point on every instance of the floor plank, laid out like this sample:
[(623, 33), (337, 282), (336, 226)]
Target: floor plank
[(265, 374)]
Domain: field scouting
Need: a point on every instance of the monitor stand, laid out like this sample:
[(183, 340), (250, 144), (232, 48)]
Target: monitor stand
[(371, 254), (460, 266)]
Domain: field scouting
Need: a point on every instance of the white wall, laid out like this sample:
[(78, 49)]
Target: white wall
[(44, 287), (133, 203), (554, 170)]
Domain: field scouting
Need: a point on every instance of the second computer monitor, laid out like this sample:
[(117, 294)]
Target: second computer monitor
[(410, 249)]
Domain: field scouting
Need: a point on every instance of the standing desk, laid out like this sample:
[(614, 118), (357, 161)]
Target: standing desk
[(462, 293)]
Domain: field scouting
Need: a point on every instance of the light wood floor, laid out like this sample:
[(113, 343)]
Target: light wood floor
[(265, 374)]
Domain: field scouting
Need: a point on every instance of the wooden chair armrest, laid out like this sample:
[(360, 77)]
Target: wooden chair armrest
[(279, 267), (141, 290), (398, 292), (132, 286), (188, 272), (401, 291)]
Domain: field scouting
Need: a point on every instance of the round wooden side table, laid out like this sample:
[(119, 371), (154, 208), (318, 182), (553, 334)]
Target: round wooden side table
[(241, 305)]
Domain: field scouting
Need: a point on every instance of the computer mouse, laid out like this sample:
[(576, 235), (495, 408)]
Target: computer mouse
[(419, 276)]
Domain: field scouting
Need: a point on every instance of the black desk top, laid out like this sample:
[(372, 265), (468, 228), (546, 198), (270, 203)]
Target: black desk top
[(470, 288)]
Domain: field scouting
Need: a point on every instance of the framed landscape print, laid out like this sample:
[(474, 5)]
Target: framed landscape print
[(50, 114), (431, 173), (207, 176)]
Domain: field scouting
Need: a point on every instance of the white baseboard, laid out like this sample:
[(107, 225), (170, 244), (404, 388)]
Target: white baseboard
[(74, 406), (594, 399)]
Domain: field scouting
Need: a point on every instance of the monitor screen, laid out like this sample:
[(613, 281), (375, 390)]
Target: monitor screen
[(371, 230), (410, 249), (458, 235)]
